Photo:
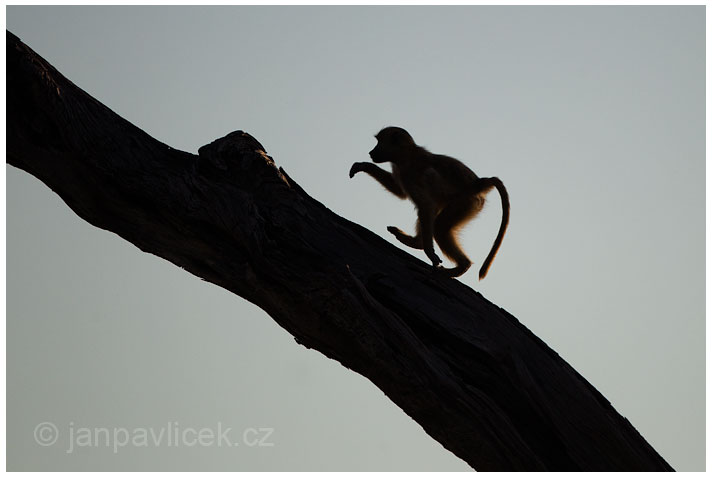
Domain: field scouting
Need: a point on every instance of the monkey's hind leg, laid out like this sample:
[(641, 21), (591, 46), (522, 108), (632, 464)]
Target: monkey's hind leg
[(452, 218), (416, 242)]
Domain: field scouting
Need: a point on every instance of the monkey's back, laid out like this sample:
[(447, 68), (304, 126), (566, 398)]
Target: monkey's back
[(454, 172)]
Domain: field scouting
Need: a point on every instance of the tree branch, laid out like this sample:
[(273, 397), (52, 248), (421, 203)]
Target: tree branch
[(467, 371)]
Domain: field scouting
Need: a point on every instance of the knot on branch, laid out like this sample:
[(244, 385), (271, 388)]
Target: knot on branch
[(244, 157), (237, 148)]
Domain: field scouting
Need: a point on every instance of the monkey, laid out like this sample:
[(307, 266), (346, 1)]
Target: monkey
[(446, 194)]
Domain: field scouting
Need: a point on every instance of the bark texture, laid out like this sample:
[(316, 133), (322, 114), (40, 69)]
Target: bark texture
[(468, 372)]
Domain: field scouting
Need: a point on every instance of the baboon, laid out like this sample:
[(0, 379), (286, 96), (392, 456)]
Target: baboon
[(446, 193)]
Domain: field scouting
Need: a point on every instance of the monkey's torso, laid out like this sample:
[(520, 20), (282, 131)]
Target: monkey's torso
[(433, 178)]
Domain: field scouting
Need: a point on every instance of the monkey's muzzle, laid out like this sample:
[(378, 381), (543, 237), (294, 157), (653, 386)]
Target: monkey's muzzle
[(376, 157)]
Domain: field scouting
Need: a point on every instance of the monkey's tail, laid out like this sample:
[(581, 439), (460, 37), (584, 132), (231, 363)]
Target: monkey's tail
[(495, 182)]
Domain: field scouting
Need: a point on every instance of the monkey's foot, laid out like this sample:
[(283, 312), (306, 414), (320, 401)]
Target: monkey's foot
[(434, 258), (456, 271)]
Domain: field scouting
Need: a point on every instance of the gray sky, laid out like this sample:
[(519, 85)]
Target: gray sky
[(594, 118)]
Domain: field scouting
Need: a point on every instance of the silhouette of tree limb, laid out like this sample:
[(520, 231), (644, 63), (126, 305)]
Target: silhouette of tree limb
[(468, 372)]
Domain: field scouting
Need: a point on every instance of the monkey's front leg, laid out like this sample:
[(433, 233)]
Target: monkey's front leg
[(426, 219), (384, 177)]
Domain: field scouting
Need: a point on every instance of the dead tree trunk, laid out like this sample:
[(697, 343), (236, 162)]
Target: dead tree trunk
[(475, 378)]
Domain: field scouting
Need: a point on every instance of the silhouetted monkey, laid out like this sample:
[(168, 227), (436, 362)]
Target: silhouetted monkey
[(446, 193)]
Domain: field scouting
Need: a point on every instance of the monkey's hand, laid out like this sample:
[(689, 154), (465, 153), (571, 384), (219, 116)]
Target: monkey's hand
[(356, 168), (410, 241)]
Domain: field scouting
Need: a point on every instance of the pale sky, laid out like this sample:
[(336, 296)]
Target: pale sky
[(594, 118)]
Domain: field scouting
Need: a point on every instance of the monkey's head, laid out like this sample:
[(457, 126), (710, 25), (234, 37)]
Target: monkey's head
[(393, 144)]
